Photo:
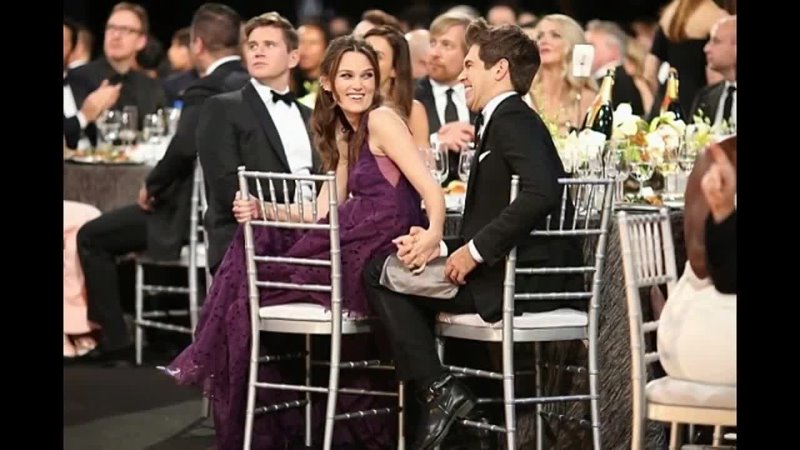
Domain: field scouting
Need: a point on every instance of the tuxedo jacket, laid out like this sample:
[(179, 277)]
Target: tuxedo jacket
[(170, 181), (81, 89), (707, 100), (236, 129), (515, 141), (424, 93)]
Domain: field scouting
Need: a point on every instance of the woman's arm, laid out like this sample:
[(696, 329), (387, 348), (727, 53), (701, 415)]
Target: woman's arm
[(418, 122), (389, 134)]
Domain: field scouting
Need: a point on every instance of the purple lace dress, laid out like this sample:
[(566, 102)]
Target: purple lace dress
[(383, 206)]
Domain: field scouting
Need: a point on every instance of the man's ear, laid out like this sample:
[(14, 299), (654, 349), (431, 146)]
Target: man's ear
[(500, 69)]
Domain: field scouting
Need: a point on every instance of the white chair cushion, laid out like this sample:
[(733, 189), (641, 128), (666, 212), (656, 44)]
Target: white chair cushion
[(558, 318), (298, 311), (671, 391)]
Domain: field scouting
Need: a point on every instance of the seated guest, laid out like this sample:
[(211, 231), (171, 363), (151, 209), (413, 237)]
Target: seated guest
[(697, 330), (372, 18), (159, 221), (380, 181), (149, 60), (182, 71), (78, 339), (397, 86), (125, 35), (498, 69), (717, 101), (719, 188), (82, 104)]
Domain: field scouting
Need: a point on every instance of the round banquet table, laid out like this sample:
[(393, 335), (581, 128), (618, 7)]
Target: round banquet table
[(105, 186)]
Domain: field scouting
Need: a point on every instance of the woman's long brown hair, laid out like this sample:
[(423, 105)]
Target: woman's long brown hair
[(401, 91), (677, 25), (328, 117)]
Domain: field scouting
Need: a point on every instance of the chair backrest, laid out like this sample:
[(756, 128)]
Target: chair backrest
[(288, 215), (581, 221), (648, 259)]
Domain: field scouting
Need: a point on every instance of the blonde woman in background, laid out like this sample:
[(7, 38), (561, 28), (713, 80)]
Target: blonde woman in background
[(559, 97)]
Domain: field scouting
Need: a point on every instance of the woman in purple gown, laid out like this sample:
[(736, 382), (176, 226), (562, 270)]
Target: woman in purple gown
[(383, 179)]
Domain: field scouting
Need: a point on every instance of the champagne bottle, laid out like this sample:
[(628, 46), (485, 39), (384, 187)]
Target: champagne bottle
[(671, 102), (600, 116)]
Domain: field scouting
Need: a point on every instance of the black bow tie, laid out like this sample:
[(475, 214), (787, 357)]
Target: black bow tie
[(287, 98), (478, 125)]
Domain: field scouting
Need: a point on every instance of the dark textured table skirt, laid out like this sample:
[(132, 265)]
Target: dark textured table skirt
[(614, 360), (107, 187)]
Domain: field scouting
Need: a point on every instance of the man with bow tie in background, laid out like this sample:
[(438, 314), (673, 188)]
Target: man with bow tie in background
[(261, 127)]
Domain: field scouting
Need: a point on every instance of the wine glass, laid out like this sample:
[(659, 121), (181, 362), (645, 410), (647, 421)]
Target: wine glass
[(153, 128), (129, 121), (108, 124), (465, 164), (641, 165), (438, 162)]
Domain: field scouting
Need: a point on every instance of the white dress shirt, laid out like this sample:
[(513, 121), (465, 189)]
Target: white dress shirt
[(292, 131), (721, 105), (440, 100), (487, 112)]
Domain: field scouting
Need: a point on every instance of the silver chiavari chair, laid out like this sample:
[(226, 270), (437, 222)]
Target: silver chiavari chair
[(304, 318), (192, 257), (559, 325), (648, 257)]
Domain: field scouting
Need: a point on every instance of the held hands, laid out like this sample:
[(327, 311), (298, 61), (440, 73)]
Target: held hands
[(719, 184), (459, 265), (418, 247), (145, 200), (245, 210)]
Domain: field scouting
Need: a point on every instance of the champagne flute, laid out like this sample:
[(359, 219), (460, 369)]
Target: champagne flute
[(465, 164)]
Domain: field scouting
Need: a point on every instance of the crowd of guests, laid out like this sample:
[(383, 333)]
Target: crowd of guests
[(270, 96)]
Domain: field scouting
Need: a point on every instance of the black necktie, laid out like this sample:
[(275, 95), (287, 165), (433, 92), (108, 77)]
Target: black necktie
[(450, 111), (287, 98), (727, 108), (478, 125)]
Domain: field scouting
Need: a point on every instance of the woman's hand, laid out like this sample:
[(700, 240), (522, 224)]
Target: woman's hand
[(245, 210), (418, 247), (719, 184)]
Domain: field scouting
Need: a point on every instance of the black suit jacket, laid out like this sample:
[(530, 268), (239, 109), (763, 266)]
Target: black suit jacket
[(235, 130), (170, 181), (625, 91), (81, 89), (707, 100), (515, 141), (424, 93)]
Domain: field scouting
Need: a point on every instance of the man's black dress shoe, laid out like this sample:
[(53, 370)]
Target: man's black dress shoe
[(122, 357), (445, 400)]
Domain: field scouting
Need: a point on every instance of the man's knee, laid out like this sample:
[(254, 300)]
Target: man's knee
[(85, 235)]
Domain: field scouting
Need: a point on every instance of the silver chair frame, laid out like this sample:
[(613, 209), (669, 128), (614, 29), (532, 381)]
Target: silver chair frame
[(583, 190), (337, 326), (193, 262), (648, 257)]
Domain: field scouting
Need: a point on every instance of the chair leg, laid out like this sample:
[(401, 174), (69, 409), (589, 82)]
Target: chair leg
[(333, 390), (508, 394), (675, 436), (251, 390), (593, 392), (537, 370), (308, 394), (401, 413), (717, 436), (139, 310)]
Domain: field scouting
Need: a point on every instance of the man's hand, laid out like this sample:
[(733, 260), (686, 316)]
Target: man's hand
[(145, 201), (100, 100), (456, 135), (459, 265), (719, 184), (418, 247)]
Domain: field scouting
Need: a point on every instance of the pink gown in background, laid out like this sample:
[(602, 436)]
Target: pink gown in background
[(75, 320)]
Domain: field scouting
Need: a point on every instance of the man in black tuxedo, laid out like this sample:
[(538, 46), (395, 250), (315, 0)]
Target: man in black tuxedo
[(512, 139), (442, 94), (718, 101), (609, 42), (159, 222), (82, 104), (261, 127), (125, 35)]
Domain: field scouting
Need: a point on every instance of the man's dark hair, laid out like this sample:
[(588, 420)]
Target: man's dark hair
[(151, 55), (183, 36), (218, 26), (507, 42), (73, 28)]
